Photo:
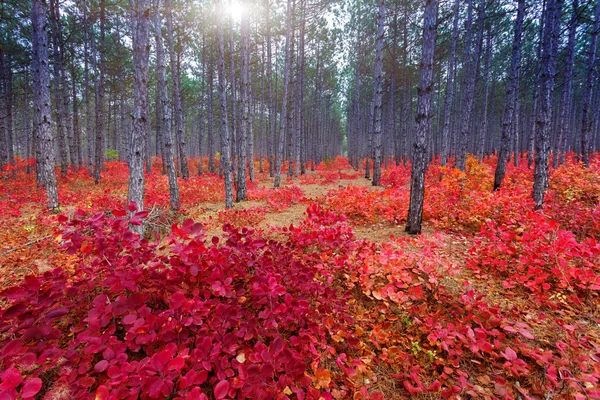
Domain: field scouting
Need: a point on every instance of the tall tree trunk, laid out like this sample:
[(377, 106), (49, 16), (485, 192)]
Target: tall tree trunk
[(141, 51), (99, 145), (586, 119), (177, 106), (58, 92), (300, 90), (544, 119), (43, 115), (536, 86), (471, 73), (86, 92), (165, 111), (78, 160), (486, 95), (210, 134), (286, 82), (511, 93), (565, 98), (272, 104), (449, 98), (424, 116), (378, 97), (245, 111), (225, 149), (4, 158)]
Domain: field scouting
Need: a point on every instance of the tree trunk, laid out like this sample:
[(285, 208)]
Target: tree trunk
[(99, 146), (300, 90), (286, 82), (486, 95), (58, 92), (141, 51), (272, 104), (544, 119), (43, 115), (225, 149), (423, 119), (586, 119), (449, 99), (211, 119), (86, 77), (165, 111), (378, 97), (511, 93), (565, 97), (245, 111), (176, 78)]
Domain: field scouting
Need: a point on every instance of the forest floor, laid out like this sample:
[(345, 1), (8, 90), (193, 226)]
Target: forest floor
[(493, 300)]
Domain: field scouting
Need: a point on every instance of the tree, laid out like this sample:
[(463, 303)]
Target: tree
[(423, 119), (511, 94), (245, 109), (99, 94), (378, 97), (587, 90), (176, 81), (567, 87), (286, 82), (225, 147), (141, 51), (449, 99), (42, 113), (165, 111), (544, 118)]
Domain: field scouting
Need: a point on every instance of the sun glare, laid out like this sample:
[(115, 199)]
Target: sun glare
[(236, 9)]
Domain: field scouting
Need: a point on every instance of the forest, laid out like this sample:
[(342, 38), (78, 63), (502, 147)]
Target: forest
[(299, 199)]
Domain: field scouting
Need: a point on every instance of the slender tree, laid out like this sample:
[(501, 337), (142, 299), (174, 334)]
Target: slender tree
[(176, 82), (590, 81), (378, 95), (544, 118), (43, 116), (511, 94), (141, 50), (423, 119), (284, 101), (225, 147), (165, 110)]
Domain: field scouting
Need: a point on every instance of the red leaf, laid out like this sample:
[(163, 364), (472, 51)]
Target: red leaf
[(526, 334), (101, 366), (509, 354), (31, 387), (11, 378), (58, 312), (221, 390), (102, 393)]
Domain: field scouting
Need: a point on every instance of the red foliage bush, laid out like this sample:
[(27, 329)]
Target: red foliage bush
[(239, 319)]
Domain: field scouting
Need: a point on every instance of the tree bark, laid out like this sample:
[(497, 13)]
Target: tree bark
[(245, 109), (225, 149), (449, 98), (565, 97), (165, 111), (511, 93), (286, 82), (176, 79), (423, 119), (141, 51), (544, 119), (586, 119), (99, 145), (58, 92), (378, 97), (43, 115)]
